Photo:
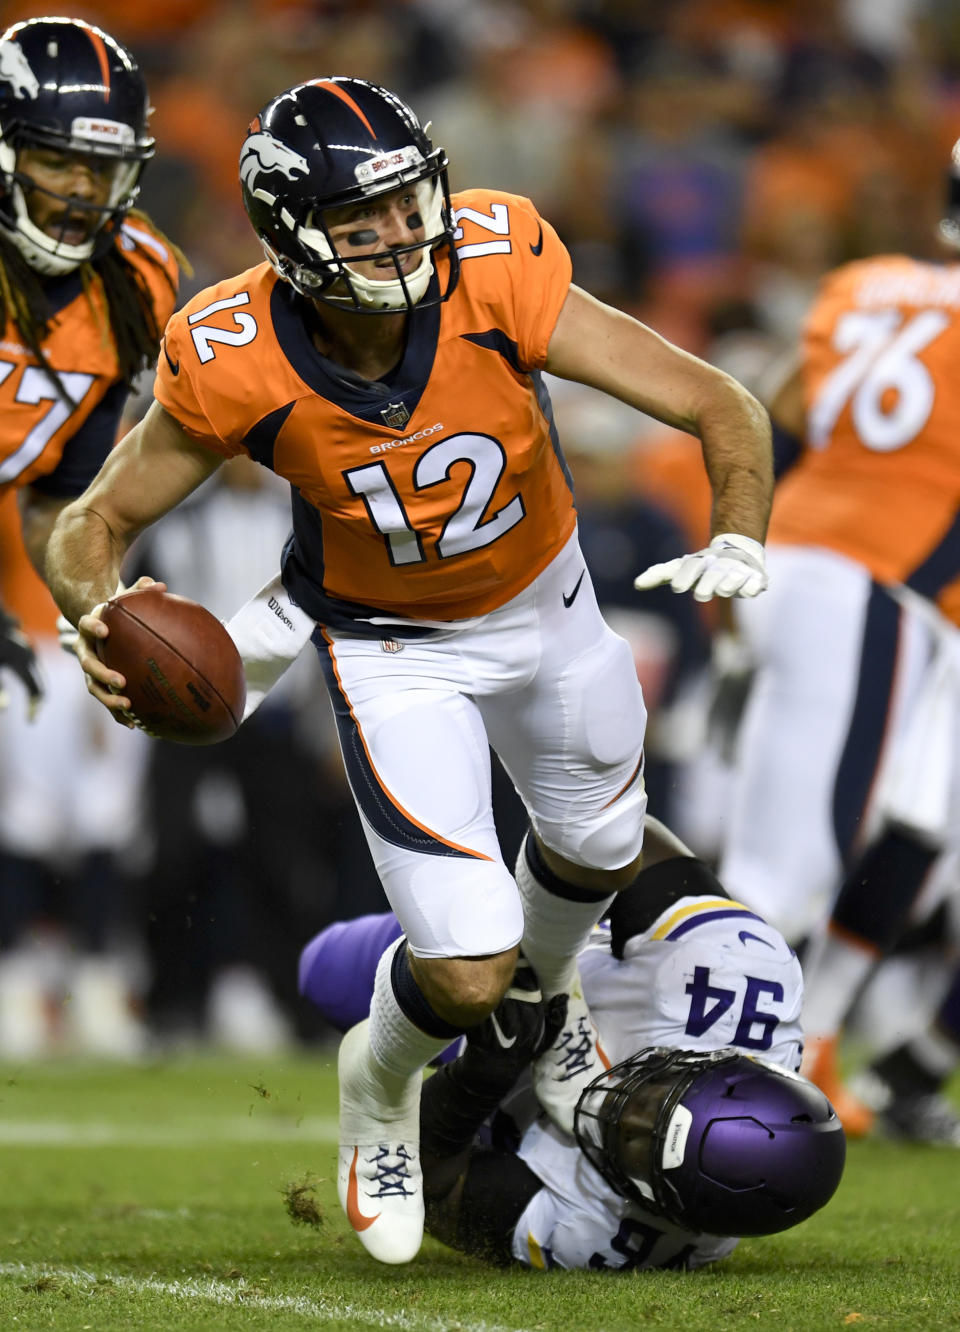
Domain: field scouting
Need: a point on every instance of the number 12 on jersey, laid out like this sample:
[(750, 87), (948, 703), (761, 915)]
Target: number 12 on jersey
[(469, 527)]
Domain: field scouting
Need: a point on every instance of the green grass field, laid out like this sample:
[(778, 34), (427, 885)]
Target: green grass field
[(152, 1197)]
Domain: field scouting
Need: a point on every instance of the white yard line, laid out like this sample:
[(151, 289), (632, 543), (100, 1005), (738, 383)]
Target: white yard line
[(186, 1133), (238, 1293)]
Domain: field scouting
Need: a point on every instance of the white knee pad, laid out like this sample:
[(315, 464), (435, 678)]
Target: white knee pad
[(452, 907), (609, 840)]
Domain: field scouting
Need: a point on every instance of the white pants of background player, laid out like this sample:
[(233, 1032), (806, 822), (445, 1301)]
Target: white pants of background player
[(831, 703), (70, 780), (555, 693)]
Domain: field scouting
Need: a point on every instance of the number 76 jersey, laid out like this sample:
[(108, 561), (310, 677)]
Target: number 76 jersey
[(879, 480), (436, 494)]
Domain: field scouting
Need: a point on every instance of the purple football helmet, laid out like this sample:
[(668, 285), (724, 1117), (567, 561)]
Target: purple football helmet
[(720, 1143)]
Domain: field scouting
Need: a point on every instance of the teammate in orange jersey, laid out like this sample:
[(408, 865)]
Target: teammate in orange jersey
[(84, 293), (386, 360), (848, 745)]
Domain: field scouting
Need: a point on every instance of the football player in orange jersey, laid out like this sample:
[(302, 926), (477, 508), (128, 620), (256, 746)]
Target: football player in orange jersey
[(84, 294), (386, 360), (846, 787)]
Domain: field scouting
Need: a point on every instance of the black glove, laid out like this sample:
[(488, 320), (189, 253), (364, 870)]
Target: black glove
[(460, 1096), (522, 1025), (17, 655)]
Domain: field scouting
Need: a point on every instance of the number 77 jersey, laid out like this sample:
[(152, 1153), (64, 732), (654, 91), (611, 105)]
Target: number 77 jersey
[(59, 421), (437, 493), (879, 480)]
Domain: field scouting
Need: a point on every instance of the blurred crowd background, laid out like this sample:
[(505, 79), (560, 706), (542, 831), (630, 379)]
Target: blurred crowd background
[(705, 161)]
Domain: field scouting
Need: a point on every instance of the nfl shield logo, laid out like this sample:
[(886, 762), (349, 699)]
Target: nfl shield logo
[(395, 415), (390, 645)]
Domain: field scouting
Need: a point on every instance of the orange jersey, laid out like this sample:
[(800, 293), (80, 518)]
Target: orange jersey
[(437, 495), (21, 591), (879, 480), (44, 440)]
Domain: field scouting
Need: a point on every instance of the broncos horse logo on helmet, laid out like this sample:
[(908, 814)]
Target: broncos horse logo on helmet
[(68, 87), (720, 1143), (15, 71), (262, 154), (356, 141)]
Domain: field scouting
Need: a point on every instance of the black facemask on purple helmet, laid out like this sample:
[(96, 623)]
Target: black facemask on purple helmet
[(719, 1143)]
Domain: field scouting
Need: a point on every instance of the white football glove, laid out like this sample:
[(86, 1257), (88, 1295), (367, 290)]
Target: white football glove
[(270, 632), (731, 566)]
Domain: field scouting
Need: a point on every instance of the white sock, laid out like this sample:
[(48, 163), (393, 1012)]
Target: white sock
[(399, 1047), (555, 928), (833, 973)]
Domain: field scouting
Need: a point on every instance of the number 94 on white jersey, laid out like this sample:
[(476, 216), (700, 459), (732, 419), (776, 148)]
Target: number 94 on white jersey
[(708, 972)]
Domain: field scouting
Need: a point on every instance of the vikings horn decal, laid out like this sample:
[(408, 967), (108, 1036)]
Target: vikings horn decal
[(263, 153), (15, 71)]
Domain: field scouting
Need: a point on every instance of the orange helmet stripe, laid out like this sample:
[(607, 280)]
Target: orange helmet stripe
[(98, 46), (345, 97)]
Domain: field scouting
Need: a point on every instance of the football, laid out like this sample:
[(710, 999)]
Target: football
[(185, 678)]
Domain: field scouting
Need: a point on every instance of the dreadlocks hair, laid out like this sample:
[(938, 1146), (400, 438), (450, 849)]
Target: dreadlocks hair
[(131, 321)]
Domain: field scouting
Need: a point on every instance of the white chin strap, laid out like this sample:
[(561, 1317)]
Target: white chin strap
[(386, 295), (45, 254), (390, 293), (42, 252)]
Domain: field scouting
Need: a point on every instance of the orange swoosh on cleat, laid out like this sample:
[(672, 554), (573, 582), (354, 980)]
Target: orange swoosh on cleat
[(354, 1215)]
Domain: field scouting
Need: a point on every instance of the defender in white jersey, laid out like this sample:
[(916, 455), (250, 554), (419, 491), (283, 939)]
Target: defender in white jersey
[(677, 966)]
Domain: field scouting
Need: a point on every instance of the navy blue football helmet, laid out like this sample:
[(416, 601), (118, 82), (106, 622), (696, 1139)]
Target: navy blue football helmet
[(340, 141), (67, 86), (719, 1143)]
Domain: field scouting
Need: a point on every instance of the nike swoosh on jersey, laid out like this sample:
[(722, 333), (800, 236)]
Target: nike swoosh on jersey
[(744, 935), (174, 365), (354, 1215), (498, 1031), (568, 601), (538, 248)]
